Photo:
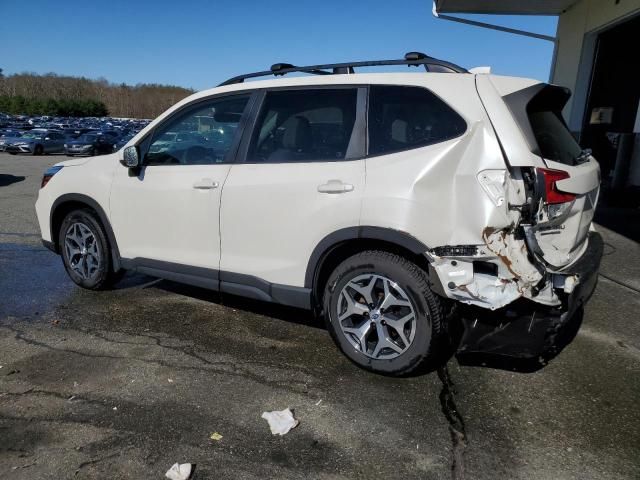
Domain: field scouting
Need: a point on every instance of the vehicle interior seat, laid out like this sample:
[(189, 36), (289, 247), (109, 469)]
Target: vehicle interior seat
[(297, 141)]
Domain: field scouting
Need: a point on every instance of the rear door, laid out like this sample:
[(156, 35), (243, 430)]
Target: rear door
[(302, 178), (54, 142), (567, 178)]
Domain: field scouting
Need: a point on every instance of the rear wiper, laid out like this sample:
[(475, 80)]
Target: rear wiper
[(584, 155)]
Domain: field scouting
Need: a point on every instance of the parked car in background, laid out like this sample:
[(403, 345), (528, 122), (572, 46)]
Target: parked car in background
[(37, 142), (122, 141), (8, 136), (114, 134), (89, 144), (75, 132)]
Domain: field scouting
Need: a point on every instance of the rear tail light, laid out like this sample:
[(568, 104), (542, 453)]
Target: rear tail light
[(554, 196), (49, 173)]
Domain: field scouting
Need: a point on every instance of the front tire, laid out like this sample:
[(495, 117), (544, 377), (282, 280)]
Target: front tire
[(85, 250), (38, 150), (382, 314)]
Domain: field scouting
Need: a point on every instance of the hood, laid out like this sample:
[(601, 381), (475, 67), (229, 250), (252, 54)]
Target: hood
[(74, 162), (19, 140)]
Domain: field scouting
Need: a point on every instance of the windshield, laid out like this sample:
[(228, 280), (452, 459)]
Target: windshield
[(168, 137), (32, 135)]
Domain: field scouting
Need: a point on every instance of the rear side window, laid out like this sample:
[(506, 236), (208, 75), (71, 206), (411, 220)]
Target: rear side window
[(403, 118), (307, 125)]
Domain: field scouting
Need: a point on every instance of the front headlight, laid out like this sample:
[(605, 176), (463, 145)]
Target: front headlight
[(66, 146), (49, 173)]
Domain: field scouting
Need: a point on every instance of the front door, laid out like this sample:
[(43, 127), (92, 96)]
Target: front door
[(167, 216)]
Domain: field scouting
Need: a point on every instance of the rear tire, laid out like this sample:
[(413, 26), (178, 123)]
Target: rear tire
[(401, 310), (85, 251)]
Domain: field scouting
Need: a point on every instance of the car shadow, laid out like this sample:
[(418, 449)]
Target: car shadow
[(6, 179), (280, 312)]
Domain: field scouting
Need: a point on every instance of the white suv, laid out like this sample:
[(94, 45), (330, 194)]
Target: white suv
[(395, 205)]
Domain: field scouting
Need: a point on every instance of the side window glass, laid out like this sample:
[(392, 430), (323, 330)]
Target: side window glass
[(402, 118), (307, 125), (202, 135)]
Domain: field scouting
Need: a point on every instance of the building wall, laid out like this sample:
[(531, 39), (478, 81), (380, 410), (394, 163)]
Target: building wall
[(577, 30)]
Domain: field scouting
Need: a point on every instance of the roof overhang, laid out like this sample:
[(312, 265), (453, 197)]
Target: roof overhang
[(504, 7)]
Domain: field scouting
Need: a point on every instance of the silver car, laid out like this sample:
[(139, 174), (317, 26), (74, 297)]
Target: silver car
[(37, 142)]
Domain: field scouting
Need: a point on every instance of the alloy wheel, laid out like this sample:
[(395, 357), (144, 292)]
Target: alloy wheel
[(376, 316), (82, 249)]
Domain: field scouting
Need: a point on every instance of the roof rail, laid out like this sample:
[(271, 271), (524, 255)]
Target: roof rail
[(410, 59)]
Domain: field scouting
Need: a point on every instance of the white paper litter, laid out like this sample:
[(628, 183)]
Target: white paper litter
[(179, 471), (280, 422)]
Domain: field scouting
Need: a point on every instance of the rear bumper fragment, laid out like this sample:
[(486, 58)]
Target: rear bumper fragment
[(525, 335)]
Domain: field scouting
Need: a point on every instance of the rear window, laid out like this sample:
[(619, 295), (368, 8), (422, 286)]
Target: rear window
[(538, 112), (403, 118), (554, 139)]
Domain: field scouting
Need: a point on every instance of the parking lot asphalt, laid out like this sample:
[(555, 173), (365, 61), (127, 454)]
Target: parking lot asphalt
[(124, 383)]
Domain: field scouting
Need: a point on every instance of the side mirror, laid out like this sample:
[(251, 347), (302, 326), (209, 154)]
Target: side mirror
[(130, 157), (47, 138)]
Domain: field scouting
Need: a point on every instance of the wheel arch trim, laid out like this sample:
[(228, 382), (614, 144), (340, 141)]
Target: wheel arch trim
[(93, 204), (328, 243)]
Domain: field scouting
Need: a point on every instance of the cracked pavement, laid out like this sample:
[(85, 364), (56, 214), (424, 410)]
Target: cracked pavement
[(122, 384)]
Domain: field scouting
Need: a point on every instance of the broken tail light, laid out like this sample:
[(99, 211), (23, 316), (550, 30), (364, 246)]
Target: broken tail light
[(553, 196)]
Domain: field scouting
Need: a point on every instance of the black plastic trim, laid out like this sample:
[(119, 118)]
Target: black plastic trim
[(279, 69), (197, 276), (389, 235), (227, 282), (525, 336), (49, 245), (90, 202), (254, 287)]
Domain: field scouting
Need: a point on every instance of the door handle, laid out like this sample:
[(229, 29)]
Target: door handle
[(205, 184), (335, 186)]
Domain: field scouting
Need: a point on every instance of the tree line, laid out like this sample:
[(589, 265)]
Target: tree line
[(20, 105), (51, 94)]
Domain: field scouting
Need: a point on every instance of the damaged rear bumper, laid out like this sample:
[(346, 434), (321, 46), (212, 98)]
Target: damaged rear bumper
[(525, 335)]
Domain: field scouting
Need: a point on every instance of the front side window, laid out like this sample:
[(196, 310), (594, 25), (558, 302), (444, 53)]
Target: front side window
[(203, 135), (307, 125), (402, 118)]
